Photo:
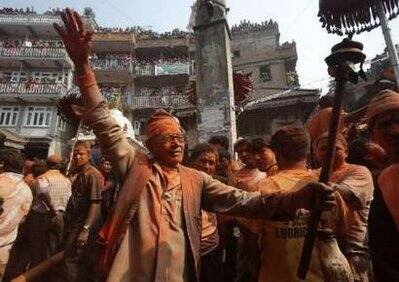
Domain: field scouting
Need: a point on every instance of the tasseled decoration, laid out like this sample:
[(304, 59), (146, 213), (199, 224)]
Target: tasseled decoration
[(354, 16)]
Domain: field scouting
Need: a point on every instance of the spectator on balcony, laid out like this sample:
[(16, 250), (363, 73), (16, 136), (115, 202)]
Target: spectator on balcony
[(27, 43), (30, 83)]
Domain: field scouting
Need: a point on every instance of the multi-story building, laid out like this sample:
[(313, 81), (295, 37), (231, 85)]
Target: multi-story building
[(35, 73), (277, 99), (138, 71), (255, 49)]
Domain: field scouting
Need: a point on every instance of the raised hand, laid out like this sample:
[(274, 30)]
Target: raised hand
[(75, 37)]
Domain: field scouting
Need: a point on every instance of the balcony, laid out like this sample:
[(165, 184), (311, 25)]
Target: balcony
[(30, 19), (34, 57), (153, 102), (162, 69), (110, 70), (110, 64), (38, 92), (41, 25)]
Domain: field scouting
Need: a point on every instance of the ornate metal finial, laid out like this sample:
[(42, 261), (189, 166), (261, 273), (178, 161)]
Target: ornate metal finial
[(347, 54)]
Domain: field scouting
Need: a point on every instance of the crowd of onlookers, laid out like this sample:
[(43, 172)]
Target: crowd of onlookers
[(14, 11), (145, 33), (29, 11), (163, 91), (110, 91), (111, 61), (162, 60), (249, 26), (35, 43)]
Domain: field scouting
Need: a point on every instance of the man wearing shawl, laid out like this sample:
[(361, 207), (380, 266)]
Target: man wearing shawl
[(155, 230), (383, 122), (355, 185)]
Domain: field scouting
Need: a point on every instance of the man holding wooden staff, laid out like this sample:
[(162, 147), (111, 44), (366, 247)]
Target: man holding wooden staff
[(155, 230)]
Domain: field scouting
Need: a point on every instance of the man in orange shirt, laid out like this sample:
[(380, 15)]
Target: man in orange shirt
[(282, 240)]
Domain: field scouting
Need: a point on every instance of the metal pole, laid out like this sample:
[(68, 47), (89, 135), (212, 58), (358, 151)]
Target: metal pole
[(386, 31)]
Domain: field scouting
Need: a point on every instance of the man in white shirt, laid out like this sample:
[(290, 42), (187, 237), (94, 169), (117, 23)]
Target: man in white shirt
[(17, 198)]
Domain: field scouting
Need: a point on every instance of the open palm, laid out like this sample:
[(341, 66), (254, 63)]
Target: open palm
[(76, 38)]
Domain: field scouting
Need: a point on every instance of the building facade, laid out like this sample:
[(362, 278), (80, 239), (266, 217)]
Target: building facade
[(35, 72), (138, 71)]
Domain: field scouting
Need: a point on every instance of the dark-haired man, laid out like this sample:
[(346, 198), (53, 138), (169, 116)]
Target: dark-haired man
[(17, 199), (82, 216), (219, 142), (204, 157), (265, 157), (52, 194), (282, 241)]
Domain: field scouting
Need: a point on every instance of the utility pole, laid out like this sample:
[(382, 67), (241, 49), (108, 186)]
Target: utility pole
[(214, 81)]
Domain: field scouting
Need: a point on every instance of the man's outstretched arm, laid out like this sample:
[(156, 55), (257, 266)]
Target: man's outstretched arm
[(96, 115), (220, 198)]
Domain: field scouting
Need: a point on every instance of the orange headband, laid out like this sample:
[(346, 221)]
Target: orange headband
[(162, 122)]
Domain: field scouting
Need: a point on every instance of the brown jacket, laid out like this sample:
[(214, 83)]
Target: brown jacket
[(200, 191)]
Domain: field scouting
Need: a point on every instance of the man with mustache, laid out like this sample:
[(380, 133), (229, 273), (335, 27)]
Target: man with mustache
[(155, 230)]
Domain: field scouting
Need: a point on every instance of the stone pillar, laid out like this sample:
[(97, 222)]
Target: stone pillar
[(214, 86)]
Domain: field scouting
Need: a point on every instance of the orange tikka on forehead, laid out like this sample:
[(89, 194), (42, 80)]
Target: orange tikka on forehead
[(161, 122)]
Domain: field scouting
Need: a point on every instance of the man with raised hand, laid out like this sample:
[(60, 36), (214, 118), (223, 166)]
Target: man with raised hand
[(154, 231)]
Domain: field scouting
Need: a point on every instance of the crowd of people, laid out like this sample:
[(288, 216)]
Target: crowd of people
[(122, 212), (164, 91), (111, 61), (29, 11), (14, 11), (56, 210), (249, 26), (37, 43), (145, 33)]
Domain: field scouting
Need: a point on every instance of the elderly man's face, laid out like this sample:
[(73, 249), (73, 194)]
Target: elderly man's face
[(168, 149), (385, 132)]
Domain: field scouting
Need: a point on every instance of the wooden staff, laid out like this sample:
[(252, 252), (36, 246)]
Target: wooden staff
[(325, 173), (43, 267)]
